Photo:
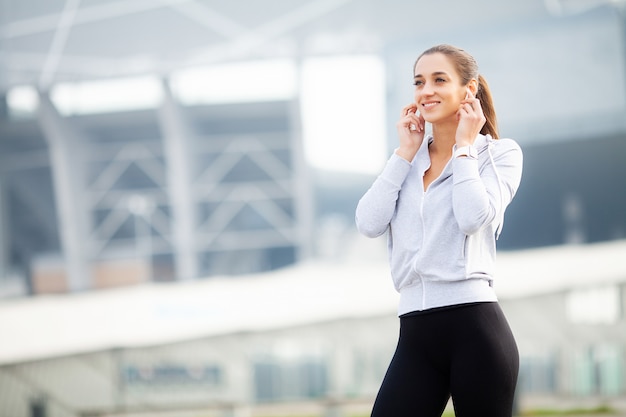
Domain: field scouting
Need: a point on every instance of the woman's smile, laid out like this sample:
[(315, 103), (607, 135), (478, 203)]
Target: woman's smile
[(429, 104)]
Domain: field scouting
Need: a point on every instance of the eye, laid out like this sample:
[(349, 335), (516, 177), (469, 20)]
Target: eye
[(440, 80), (418, 82)]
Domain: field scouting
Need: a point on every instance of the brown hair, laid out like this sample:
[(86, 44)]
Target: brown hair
[(467, 68)]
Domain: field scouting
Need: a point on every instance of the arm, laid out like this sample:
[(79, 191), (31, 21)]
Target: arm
[(377, 206), (480, 198)]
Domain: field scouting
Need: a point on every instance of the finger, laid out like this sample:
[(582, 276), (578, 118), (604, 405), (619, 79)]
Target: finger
[(465, 109), (414, 122), (421, 123), (471, 106), (413, 118), (476, 107), (416, 128), (411, 108)]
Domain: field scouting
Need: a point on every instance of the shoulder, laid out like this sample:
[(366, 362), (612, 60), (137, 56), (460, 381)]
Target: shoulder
[(505, 144), (504, 148)]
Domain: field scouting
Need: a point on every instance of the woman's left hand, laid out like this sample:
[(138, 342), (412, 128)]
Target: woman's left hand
[(471, 120)]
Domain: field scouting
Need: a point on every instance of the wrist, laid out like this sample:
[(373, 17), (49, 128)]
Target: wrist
[(406, 153), (464, 142), (468, 151)]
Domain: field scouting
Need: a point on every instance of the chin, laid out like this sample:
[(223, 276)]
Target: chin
[(433, 119), (430, 119)]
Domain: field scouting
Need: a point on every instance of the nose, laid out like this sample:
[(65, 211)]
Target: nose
[(426, 89)]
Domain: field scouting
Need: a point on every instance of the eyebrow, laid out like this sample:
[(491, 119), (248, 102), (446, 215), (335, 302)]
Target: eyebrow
[(433, 74)]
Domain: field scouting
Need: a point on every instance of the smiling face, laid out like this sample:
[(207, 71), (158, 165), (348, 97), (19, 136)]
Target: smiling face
[(439, 89)]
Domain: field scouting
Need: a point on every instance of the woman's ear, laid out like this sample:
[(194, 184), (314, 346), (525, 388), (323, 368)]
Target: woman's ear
[(472, 86)]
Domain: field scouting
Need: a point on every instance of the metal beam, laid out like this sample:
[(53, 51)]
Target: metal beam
[(621, 10), (247, 42), (207, 17), (62, 142), (304, 205), (236, 44), (55, 52), (176, 137), (88, 14), (4, 232)]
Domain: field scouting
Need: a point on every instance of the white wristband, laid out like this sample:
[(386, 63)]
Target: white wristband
[(467, 151)]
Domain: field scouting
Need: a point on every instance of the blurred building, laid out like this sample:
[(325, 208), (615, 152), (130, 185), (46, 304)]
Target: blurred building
[(315, 338), (94, 201), (158, 185)]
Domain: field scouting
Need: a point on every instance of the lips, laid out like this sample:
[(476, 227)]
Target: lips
[(430, 104)]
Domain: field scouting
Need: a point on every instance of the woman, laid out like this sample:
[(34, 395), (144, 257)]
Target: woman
[(442, 198)]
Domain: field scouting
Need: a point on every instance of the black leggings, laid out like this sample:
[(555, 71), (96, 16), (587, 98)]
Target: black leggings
[(465, 351)]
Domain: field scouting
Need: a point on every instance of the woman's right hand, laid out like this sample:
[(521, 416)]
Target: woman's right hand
[(410, 132)]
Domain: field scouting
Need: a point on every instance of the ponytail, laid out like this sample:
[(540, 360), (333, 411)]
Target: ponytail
[(486, 102)]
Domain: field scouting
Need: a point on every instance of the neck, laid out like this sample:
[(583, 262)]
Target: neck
[(443, 138)]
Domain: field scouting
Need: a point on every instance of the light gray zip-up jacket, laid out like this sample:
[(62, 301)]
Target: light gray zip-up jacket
[(442, 241)]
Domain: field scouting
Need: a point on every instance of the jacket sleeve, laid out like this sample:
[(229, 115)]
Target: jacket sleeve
[(377, 206), (480, 197)]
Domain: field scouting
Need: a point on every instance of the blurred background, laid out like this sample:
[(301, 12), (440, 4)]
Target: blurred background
[(178, 181)]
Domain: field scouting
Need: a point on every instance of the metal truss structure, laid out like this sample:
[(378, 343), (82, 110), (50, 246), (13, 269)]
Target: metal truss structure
[(186, 191)]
